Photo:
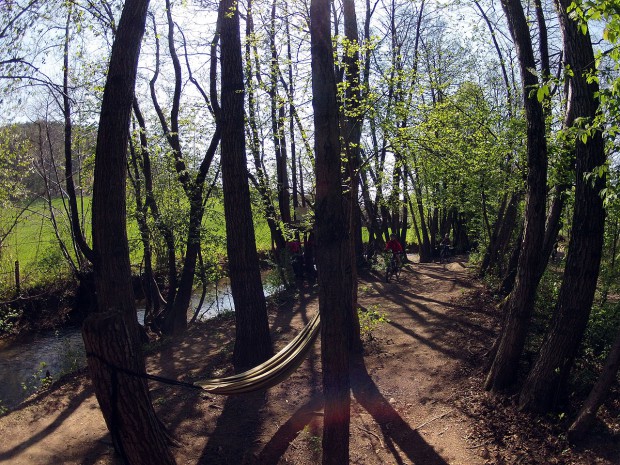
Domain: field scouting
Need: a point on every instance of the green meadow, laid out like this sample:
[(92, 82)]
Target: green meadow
[(35, 243)]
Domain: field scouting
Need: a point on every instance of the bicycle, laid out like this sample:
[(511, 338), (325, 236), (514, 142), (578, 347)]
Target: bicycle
[(444, 254), (393, 267)]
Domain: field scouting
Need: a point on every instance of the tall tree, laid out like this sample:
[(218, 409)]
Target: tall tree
[(277, 124), (76, 229), (520, 303), (175, 318), (262, 180), (252, 343), (111, 336), (550, 372), (351, 127), (333, 246)]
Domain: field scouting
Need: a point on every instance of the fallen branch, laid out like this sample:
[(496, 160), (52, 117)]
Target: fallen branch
[(373, 434), (478, 446), (432, 419)]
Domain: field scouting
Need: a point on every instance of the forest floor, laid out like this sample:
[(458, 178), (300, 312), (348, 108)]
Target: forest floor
[(416, 393)]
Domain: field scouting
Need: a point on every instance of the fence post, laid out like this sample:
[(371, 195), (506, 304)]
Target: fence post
[(17, 283)]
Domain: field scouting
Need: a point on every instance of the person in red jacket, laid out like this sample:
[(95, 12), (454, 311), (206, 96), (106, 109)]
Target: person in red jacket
[(395, 247)]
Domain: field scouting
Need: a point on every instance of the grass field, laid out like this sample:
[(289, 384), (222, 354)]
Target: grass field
[(35, 245)]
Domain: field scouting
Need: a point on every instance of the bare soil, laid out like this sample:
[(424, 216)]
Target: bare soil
[(416, 393)]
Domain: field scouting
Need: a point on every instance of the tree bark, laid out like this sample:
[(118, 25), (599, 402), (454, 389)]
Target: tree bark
[(586, 415), (252, 339), (277, 126), (352, 126), (332, 241), (519, 306), (138, 436), (549, 374), (111, 337), (81, 246)]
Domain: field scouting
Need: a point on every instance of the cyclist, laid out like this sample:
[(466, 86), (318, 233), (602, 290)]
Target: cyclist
[(444, 247), (395, 247), (296, 257)]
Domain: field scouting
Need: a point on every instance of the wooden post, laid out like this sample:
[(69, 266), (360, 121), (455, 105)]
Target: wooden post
[(17, 283)]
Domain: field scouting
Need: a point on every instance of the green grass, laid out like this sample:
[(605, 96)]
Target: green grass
[(34, 244)]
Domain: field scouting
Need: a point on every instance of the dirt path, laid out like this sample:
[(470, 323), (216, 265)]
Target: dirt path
[(407, 391)]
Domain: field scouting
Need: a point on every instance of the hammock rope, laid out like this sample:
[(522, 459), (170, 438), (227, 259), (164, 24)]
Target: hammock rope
[(264, 376)]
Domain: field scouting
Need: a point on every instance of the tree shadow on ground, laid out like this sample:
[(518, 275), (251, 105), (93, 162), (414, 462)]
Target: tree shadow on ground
[(281, 440), (236, 431), (396, 431), (400, 438), (53, 426), (277, 445)]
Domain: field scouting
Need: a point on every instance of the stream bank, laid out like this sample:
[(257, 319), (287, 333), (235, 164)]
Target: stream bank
[(42, 351)]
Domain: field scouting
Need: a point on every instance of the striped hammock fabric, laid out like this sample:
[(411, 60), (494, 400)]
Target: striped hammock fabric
[(271, 372)]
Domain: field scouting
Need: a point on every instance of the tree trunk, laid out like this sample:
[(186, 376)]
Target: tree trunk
[(262, 184), (150, 202), (111, 337), (252, 339), (520, 303), (277, 125), (352, 126), (586, 415), (493, 246), (426, 252), (176, 321), (510, 275), (550, 372), (124, 399), (80, 244), (333, 249), (505, 235), (151, 292)]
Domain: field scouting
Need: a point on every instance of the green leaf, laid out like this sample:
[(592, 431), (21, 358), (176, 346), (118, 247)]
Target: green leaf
[(542, 92)]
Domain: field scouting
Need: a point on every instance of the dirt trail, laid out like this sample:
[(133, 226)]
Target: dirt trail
[(406, 391)]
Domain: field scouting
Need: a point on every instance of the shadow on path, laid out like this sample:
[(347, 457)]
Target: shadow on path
[(53, 426), (236, 430), (396, 431), (280, 441)]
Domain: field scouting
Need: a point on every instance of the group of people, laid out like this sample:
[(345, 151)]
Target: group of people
[(302, 258), (394, 246)]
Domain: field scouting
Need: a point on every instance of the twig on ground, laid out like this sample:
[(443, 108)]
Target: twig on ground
[(478, 445), (373, 434), (432, 419)]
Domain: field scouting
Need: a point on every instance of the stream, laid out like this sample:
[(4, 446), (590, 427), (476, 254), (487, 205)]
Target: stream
[(25, 364)]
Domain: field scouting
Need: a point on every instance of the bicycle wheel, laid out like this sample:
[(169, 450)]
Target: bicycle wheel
[(389, 270)]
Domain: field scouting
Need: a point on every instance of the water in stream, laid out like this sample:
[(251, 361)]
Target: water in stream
[(25, 364)]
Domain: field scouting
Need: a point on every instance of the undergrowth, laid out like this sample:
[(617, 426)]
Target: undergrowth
[(369, 320)]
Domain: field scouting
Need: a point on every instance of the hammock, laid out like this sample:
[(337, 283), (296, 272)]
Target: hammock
[(269, 373)]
